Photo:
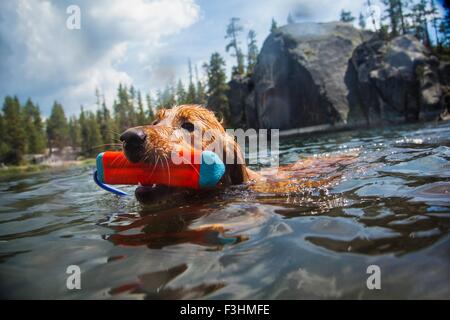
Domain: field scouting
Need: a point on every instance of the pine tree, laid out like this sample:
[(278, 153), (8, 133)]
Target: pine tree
[(166, 98), (170, 96), (273, 26), (74, 132), (95, 140), (14, 136), (191, 94), (28, 125), (141, 118), (34, 128), (252, 51), (372, 14), (106, 123), (131, 111), (362, 21), (150, 112), (346, 16), (132, 94), (420, 21), (57, 128), (4, 148), (120, 114), (200, 89), (124, 111), (181, 93), (383, 31), (394, 10), (159, 99), (41, 141), (217, 86), (434, 13), (84, 132), (91, 140), (97, 98), (233, 30), (402, 5), (103, 119)]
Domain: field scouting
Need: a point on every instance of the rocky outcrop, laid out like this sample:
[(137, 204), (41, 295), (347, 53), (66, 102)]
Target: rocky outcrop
[(444, 73), (299, 78), (311, 74), (394, 81)]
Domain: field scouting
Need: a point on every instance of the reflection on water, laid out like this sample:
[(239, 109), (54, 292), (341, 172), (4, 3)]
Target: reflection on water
[(385, 202)]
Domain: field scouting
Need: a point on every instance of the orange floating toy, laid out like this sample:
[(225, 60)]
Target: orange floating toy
[(114, 168)]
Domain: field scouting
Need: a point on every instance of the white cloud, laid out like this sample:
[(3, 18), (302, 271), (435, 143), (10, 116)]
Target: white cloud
[(118, 41)]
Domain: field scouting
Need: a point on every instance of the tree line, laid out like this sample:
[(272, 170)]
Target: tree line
[(419, 18), (24, 131)]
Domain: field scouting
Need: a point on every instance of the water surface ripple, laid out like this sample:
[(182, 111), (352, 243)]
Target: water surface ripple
[(390, 207)]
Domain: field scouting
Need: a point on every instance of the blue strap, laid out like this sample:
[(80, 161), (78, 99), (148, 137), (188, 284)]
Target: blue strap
[(108, 188)]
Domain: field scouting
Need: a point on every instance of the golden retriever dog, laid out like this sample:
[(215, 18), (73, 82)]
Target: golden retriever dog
[(177, 127), (174, 128)]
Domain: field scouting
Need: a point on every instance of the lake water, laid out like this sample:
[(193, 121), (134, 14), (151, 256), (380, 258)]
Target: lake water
[(390, 208)]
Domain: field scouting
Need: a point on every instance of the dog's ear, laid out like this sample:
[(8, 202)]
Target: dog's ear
[(236, 171)]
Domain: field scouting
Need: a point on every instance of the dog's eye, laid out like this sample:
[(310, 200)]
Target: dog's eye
[(188, 126)]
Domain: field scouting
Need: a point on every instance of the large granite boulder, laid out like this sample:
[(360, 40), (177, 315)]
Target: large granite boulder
[(395, 81), (311, 74), (299, 77)]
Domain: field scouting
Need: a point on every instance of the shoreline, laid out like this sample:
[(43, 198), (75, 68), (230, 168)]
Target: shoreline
[(330, 128), (11, 171)]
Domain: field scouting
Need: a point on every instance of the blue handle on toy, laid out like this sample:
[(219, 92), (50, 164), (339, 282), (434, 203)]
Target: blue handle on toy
[(108, 187)]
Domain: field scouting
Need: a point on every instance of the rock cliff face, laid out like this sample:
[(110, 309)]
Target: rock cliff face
[(395, 81), (331, 73)]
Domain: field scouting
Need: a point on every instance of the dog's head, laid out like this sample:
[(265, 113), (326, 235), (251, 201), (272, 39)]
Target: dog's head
[(183, 126)]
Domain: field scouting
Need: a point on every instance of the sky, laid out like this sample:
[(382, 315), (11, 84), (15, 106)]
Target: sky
[(144, 43)]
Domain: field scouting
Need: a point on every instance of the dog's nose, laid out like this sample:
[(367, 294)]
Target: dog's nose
[(133, 136), (133, 143)]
